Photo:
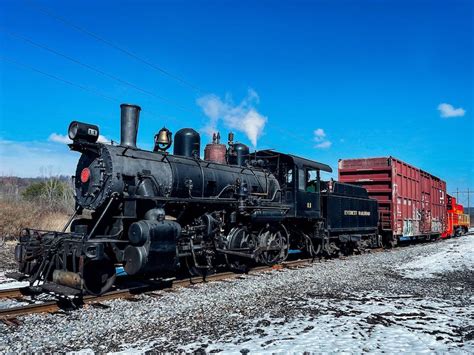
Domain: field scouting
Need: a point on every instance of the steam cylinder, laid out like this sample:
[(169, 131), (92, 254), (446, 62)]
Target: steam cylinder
[(187, 143), (153, 247)]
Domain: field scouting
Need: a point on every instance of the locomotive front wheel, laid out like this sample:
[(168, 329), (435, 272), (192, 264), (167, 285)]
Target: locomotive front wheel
[(99, 276)]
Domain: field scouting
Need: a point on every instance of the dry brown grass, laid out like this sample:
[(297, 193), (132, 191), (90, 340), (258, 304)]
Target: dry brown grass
[(16, 215)]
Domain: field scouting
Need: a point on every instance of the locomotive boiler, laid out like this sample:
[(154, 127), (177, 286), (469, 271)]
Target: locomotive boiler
[(159, 215)]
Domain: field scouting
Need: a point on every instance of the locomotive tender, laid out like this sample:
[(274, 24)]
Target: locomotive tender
[(159, 214)]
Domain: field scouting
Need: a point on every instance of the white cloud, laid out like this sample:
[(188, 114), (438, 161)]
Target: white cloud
[(59, 138), (320, 139), (243, 117), (447, 110), (64, 139), (324, 145), (30, 159), (319, 133), (103, 139)]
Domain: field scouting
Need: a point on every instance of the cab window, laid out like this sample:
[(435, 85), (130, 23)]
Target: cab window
[(301, 179), (307, 180), (289, 176), (311, 180)]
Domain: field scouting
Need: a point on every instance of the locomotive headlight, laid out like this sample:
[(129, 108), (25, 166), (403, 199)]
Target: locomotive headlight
[(83, 131)]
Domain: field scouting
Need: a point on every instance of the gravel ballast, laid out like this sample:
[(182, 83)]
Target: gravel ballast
[(374, 302), (7, 255)]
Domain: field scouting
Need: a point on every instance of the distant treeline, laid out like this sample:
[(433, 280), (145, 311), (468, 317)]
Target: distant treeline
[(42, 203), (13, 186), (54, 193)]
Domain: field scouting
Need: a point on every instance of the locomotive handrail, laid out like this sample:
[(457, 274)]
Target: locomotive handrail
[(71, 219), (213, 197), (274, 195), (258, 180), (178, 199), (225, 188), (112, 198)]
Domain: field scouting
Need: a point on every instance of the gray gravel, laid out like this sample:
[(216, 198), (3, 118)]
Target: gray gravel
[(363, 303), (7, 259)]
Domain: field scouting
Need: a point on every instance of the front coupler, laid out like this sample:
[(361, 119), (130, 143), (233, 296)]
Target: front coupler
[(64, 263)]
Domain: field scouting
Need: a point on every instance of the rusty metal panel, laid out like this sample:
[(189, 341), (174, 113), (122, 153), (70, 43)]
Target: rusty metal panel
[(216, 153), (412, 202)]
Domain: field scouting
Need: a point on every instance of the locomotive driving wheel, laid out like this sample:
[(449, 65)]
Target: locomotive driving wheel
[(273, 241), (239, 239)]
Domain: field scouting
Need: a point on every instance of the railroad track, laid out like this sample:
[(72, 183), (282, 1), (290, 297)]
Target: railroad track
[(9, 315), (11, 293)]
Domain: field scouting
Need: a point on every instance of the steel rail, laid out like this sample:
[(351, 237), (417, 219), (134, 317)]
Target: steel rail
[(55, 306), (11, 293)]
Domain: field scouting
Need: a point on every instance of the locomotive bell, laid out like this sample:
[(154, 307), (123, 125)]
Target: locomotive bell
[(163, 140)]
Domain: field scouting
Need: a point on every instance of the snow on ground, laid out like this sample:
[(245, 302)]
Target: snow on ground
[(459, 256), (6, 283), (366, 323), (365, 303), (13, 284)]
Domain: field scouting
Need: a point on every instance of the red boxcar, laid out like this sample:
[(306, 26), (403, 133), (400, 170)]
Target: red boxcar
[(412, 202)]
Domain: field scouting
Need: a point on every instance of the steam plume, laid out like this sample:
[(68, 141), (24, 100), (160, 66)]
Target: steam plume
[(243, 117)]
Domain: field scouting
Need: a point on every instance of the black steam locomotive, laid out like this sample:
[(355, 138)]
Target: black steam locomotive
[(158, 214)]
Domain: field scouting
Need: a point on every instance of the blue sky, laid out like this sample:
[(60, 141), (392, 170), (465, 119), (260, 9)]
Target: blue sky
[(323, 79)]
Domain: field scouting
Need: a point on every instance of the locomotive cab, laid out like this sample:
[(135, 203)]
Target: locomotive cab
[(299, 180)]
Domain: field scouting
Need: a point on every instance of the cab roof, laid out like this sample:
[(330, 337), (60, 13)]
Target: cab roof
[(298, 161)]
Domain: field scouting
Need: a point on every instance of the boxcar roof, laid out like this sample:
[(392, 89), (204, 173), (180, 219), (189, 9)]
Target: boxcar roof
[(299, 161)]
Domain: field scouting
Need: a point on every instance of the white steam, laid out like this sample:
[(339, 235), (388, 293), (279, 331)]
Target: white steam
[(243, 117)]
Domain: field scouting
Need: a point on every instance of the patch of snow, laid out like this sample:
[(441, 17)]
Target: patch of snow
[(7, 283), (458, 257), (82, 352), (366, 323), (13, 284)]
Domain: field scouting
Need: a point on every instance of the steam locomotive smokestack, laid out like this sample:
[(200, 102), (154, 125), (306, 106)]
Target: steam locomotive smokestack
[(129, 117)]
